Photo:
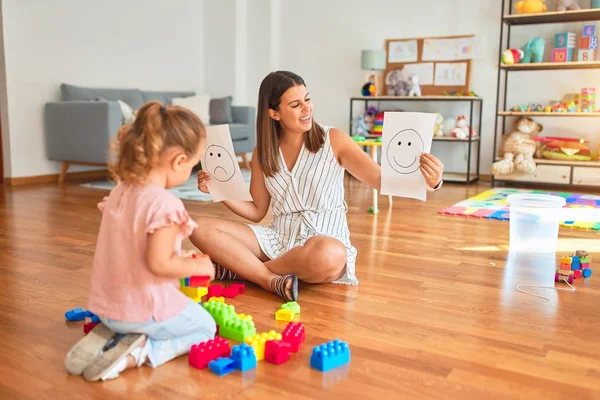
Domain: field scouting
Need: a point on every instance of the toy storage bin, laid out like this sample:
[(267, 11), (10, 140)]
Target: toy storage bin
[(534, 222)]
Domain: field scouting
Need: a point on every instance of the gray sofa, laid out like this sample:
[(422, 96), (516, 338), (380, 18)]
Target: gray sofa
[(78, 128)]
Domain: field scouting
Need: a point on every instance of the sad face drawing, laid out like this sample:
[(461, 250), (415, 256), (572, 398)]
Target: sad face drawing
[(404, 150), (219, 163)]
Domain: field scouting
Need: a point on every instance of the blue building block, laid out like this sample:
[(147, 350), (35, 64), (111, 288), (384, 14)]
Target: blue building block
[(575, 263), (95, 319), (586, 273), (243, 357), (76, 314), (187, 281), (330, 355), (222, 366)]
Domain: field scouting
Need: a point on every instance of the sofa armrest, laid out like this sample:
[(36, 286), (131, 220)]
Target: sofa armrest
[(80, 130), (243, 115)]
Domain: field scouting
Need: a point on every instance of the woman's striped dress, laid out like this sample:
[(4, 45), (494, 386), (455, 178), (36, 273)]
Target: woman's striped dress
[(308, 201)]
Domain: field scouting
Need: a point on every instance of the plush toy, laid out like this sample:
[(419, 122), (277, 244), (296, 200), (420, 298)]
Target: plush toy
[(415, 89), (518, 148), (369, 118), (461, 128), (438, 130), (530, 7), (397, 83), (368, 89), (359, 127), (448, 125), (533, 51), (564, 5), (512, 56)]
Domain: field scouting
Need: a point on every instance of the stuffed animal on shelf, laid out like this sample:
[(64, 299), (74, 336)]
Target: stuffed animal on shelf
[(533, 51), (564, 5), (462, 129), (530, 7), (512, 56), (448, 125), (438, 130), (369, 117), (368, 89), (415, 89), (397, 83), (359, 127), (518, 148)]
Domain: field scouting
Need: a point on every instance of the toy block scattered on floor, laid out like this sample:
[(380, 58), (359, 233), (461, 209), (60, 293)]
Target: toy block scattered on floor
[(284, 315), (230, 292), (214, 291), (88, 326), (76, 314), (277, 351), (330, 355), (294, 334), (237, 329), (222, 366), (219, 299), (198, 281), (291, 305), (243, 357), (259, 342), (194, 293), (241, 287), (202, 354), (245, 317), (221, 312)]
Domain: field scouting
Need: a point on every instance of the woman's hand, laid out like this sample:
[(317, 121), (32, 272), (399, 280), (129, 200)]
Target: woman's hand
[(203, 178), (432, 169)]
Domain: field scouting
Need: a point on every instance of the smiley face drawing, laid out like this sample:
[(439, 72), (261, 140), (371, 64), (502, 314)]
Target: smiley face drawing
[(219, 163), (404, 150)]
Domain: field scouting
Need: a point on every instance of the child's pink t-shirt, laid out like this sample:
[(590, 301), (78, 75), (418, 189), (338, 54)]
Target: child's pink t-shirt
[(123, 287)]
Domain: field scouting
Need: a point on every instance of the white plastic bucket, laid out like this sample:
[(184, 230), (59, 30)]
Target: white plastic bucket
[(534, 222)]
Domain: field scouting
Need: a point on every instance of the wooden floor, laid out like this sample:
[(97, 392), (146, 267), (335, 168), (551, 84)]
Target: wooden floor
[(436, 315)]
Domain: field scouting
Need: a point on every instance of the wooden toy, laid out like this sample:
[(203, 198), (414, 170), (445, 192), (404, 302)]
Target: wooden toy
[(579, 266), (562, 55), (566, 40), (589, 30), (588, 43), (587, 55)]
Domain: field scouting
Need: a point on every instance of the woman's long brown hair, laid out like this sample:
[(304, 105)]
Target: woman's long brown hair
[(268, 131)]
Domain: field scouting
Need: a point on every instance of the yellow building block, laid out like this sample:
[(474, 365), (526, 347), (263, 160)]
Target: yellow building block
[(245, 317), (220, 299), (285, 315), (258, 342), (193, 292)]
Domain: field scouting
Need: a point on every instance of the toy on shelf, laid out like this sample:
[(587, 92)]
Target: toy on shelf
[(438, 130), (415, 88), (512, 56), (530, 7), (202, 353), (564, 5), (573, 267), (518, 148), (533, 51), (294, 334), (378, 124), (330, 355), (277, 351), (588, 44), (448, 125), (258, 342), (460, 93), (588, 100), (564, 47), (369, 118), (462, 130), (359, 127), (561, 149), (397, 83), (368, 89)]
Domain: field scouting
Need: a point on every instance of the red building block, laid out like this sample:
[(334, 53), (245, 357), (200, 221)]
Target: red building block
[(277, 351), (240, 286), (294, 334), (230, 292), (214, 291), (199, 281), (203, 353), (577, 274), (89, 326)]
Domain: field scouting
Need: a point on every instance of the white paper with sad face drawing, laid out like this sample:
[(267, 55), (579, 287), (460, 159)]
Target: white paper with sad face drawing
[(219, 160), (406, 136)]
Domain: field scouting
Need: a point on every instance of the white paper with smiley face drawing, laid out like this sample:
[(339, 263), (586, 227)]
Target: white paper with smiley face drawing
[(220, 161), (406, 135)]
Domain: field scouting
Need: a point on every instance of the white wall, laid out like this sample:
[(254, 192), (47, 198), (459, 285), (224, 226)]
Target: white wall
[(147, 44)]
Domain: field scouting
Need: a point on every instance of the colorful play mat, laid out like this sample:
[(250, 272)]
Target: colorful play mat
[(491, 204)]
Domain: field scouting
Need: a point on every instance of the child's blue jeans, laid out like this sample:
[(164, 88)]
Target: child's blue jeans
[(172, 338)]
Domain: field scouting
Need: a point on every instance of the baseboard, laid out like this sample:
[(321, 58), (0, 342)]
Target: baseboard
[(53, 178), (485, 177)]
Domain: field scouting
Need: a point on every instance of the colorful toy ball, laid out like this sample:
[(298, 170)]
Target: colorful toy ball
[(368, 89)]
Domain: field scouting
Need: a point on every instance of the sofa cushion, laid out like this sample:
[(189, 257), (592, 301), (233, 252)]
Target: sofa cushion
[(220, 110), (164, 97), (196, 104), (133, 97)]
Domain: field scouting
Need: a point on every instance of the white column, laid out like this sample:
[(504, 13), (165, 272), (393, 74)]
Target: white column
[(241, 52)]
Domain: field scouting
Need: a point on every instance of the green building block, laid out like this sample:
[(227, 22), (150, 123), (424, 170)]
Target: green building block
[(292, 305), (221, 312), (237, 329)]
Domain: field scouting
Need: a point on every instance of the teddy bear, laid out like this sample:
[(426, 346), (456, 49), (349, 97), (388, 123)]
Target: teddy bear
[(518, 148), (415, 89), (564, 5), (461, 128), (530, 6), (397, 83)]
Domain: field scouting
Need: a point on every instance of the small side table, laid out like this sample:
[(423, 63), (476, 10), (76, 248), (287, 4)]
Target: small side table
[(373, 145)]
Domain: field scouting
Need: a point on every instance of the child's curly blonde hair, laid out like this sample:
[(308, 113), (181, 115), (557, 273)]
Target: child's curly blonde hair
[(138, 146)]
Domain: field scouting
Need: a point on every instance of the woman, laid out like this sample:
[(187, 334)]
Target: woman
[(297, 168)]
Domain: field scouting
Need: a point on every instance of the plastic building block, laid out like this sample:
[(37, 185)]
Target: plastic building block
[(76, 314), (575, 263), (221, 312), (241, 287), (284, 315), (245, 317), (193, 292), (222, 366), (586, 273), (577, 274), (219, 299), (214, 291), (87, 327), (203, 353), (243, 357), (259, 342), (277, 351), (330, 355), (237, 329), (198, 281), (292, 305), (294, 334), (589, 31), (230, 292)]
